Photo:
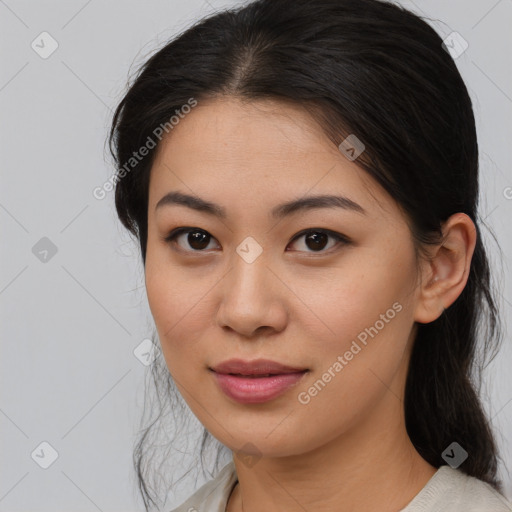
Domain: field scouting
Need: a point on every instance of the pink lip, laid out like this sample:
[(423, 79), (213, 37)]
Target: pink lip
[(252, 390), (248, 382)]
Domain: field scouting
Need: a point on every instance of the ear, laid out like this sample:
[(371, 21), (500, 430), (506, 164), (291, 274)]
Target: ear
[(446, 274)]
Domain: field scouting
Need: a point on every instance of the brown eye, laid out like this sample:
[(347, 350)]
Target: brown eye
[(197, 239), (317, 239)]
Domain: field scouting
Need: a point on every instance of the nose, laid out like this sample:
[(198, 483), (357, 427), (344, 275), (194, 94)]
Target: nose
[(253, 299)]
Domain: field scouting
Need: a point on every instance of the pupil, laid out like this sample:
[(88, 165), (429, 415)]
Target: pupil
[(317, 243), (198, 239)]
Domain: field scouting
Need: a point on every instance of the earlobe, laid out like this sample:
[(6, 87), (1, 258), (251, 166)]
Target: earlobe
[(448, 269), (430, 305)]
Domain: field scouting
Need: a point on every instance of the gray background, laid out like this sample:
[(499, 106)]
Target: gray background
[(70, 323)]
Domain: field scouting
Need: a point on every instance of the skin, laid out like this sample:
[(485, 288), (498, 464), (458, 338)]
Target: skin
[(347, 449)]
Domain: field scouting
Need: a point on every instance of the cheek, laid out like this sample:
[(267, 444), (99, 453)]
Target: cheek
[(355, 298), (181, 312), (360, 335), (357, 364), (167, 291)]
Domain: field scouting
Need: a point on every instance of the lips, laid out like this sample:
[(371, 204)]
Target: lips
[(255, 368), (257, 381)]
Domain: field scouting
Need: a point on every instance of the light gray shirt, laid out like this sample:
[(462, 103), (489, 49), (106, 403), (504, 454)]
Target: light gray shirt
[(448, 490)]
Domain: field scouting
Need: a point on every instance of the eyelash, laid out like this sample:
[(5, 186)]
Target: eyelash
[(341, 239)]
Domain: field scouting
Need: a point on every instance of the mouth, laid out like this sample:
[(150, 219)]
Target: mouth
[(256, 383)]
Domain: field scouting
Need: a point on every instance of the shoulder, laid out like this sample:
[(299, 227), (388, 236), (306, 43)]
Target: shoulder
[(214, 494), (452, 490)]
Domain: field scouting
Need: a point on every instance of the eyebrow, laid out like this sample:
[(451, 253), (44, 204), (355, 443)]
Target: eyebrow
[(278, 212)]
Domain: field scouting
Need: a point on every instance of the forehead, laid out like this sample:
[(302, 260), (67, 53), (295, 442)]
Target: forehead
[(253, 152)]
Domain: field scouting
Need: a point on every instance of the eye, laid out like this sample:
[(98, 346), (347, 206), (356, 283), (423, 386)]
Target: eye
[(315, 238), (197, 238)]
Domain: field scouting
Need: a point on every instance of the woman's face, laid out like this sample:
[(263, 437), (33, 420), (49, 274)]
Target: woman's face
[(249, 286)]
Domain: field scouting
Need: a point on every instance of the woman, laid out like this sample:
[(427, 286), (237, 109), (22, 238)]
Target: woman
[(302, 177)]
